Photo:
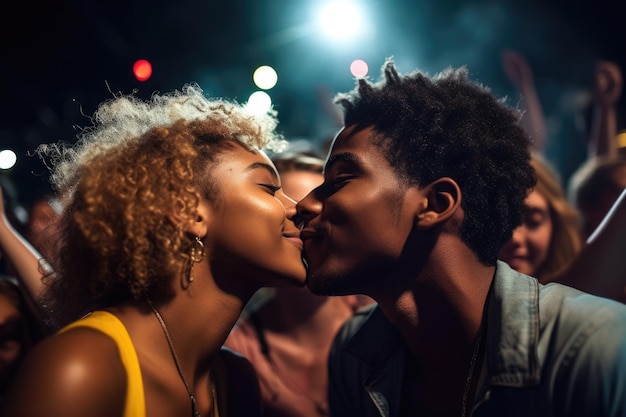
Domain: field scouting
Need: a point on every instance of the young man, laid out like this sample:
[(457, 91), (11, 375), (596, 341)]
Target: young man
[(422, 187)]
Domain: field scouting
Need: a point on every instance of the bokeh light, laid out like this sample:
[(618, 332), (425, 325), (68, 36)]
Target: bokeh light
[(142, 68), (359, 68), (265, 77), (259, 102), (8, 158)]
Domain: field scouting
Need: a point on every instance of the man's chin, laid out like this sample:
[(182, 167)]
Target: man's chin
[(322, 283), (319, 284)]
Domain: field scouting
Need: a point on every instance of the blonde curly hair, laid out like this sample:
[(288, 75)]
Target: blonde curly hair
[(137, 165)]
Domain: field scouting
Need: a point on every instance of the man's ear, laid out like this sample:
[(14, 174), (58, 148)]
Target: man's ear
[(200, 225), (442, 200)]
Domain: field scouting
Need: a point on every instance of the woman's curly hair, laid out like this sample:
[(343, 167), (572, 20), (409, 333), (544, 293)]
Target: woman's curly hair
[(449, 126), (141, 163)]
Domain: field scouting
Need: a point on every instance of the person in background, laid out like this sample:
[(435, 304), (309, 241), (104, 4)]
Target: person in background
[(23, 260), (423, 185), (548, 249), (21, 328), (596, 184), (287, 335), (519, 72), (600, 266), (595, 187), (173, 217), (40, 228), (550, 235)]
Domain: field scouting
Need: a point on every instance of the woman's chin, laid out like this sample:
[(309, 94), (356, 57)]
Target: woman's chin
[(521, 265)]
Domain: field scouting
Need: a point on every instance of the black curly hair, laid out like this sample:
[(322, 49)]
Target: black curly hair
[(450, 126)]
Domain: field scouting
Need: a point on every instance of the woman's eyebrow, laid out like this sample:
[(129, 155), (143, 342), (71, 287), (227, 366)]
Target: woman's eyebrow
[(262, 165)]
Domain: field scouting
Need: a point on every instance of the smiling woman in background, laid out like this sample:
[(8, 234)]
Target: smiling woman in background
[(550, 235)]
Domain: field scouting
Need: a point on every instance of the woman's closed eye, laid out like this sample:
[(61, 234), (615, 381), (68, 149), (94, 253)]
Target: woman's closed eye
[(533, 218), (271, 187)]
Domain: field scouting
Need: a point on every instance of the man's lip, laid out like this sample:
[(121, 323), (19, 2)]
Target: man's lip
[(307, 234)]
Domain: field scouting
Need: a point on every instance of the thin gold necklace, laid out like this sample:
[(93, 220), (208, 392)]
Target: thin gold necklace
[(194, 408)]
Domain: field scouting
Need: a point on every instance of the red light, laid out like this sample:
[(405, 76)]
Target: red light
[(142, 69)]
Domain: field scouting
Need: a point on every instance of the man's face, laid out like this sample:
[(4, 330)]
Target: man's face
[(357, 221)]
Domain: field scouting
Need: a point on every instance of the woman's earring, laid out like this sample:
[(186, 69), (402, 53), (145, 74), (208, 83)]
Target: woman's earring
[(196, 254), (197, 250)]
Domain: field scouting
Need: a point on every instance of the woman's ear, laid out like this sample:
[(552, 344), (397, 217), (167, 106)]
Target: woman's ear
[(200, 225), (442, 200)]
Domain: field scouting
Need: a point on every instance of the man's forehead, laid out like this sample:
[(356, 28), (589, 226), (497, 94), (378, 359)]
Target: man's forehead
[(352, 135), (353, 146)]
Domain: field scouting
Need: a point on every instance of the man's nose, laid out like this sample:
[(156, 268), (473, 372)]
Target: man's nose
[(307, 208)]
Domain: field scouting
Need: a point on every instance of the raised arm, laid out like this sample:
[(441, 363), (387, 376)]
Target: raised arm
[(21, 255), (607, 91), (520, 74)]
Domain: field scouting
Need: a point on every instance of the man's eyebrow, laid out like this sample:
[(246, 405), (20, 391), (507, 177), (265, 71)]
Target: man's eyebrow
[(341, 157), (262, 165)]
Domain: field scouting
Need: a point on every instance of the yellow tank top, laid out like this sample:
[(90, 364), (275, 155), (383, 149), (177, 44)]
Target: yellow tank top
[(110, 325)]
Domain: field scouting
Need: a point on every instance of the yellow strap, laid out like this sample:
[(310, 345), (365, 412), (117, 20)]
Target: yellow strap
[(110, 325)]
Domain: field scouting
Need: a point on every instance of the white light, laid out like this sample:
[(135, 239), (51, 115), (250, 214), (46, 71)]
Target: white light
[(265, 77), (7, 159), (340, 20), (259, 102)]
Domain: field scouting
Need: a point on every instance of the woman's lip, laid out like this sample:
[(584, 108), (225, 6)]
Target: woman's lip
[(296, 241)]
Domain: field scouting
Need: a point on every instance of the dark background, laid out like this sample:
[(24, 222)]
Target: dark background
[(58, 59)]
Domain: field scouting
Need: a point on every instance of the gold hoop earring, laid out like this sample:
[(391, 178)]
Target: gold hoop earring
[(197, 250), (196, 254)]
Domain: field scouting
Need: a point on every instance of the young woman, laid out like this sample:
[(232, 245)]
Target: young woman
[(550, 236), (173, 218)]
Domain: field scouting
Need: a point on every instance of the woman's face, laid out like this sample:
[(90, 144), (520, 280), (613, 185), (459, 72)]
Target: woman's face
[(528, 248), (251, 237)]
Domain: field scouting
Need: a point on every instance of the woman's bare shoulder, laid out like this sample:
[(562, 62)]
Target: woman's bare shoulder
[(77, 372)]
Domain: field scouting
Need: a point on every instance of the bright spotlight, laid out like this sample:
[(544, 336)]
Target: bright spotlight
[(265, 77), (7, 159), (259, 102), (340, 20)]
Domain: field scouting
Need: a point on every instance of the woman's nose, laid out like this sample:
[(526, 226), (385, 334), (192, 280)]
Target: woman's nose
[(288, 203)]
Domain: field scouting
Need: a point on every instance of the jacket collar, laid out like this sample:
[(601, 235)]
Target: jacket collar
[(512, 332), (513, 329)]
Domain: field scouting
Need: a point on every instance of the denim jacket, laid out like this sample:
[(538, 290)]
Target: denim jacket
[(550, 350)]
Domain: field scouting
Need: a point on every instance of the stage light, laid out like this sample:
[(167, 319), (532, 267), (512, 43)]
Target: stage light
[(359, 68), (8, 158), (265, 77), (142, 69), (341, 20), (259, 102)]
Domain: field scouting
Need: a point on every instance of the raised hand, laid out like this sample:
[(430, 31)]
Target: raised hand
[(608, 83)]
